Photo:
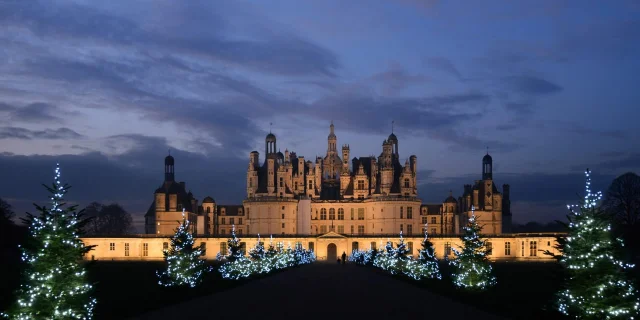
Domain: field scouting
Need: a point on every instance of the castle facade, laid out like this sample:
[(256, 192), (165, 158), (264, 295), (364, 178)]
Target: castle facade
[(332, 205)]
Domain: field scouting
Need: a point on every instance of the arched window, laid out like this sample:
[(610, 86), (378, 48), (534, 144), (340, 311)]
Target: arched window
[(340, 214), (332, 214), (323, 214)]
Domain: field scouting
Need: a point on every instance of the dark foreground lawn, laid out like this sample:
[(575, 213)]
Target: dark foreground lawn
[(524, 290)]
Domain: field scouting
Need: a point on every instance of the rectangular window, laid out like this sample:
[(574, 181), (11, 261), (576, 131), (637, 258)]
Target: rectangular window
[(409, 213), (351, 229), (447, 248), (533, 248), (340, 214), (522, 246), (433, 220), (222, 231), (424, 220), (311, 246), (372, 245), (401, 212), (239, 220), (360, 229), (310, 185), (433, 230), (223, 248), (507, 248), (126, 249), (239, 231), (409, 229), (298, 245), (332, 214), (489, 248), (165, 246), (223, 222), (360, 184), (352, 210), (231, 221), (354, 246), (410, 247), (145, 249), (323, 229), (112, 246), (360, 213), (340, 229), (401, 228), (282, 225)]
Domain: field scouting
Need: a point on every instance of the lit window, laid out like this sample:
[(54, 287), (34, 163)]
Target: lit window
[(332, 214), (447, 248), (165, 246), (340, 214), (323, 214), (533, 248), (507, 248)]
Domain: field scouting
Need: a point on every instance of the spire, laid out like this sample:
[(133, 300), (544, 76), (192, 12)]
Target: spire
[(450, 193), (487, 150), (392, 122), (270, 124)]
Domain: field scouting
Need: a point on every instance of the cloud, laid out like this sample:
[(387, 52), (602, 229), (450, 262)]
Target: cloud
[(396, 78), (444, 64), (50, 134), (128, 178), (532, 85)]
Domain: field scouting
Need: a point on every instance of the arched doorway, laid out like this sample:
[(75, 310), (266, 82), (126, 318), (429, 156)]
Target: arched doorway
[(332, 252)]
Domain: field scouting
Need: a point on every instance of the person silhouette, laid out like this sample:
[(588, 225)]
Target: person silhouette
[(344, 257)]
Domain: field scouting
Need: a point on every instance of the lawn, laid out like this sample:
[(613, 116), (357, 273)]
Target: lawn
[(524, 290)]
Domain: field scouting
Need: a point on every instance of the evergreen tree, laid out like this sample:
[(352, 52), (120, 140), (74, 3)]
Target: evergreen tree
[(390, 252), (234, 247), (184, 264), (472, 269), (428, 257), (55, 284), (401, 251), (257, 252), (595, 286), (271, 251)]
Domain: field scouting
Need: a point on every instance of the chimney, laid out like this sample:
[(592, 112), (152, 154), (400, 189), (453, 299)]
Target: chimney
[(183, 185)]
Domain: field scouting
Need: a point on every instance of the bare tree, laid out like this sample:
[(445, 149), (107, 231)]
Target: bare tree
[(6, 214), (109, 219), (622, 200)]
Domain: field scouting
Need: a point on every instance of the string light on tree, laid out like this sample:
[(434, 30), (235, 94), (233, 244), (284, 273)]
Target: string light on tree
[(596, 285), (472, 269), (55, 285), (185, 266)]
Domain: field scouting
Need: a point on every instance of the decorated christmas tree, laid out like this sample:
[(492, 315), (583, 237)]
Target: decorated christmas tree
[(185, 267), (257, 252), (471, 266), (596, 287), (55, 284), (428, 258), (234, 248), (271, 251), (401, 251)]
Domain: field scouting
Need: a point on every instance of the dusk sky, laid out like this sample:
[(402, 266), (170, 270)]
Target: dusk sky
[(108, 87)]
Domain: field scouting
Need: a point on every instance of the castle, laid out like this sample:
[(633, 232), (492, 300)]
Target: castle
[(370, 195), (331, 206)]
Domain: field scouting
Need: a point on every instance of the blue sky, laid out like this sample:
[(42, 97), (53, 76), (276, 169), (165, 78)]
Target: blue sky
[(106, 88)]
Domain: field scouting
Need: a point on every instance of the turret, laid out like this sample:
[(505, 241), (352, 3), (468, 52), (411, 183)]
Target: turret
[(345, 159), (169, 173), (487, 164)]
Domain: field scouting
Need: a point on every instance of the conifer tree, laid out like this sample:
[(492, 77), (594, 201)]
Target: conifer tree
[(596, 286), (401, 251), (185, 266), (428, 258), (257, 252), (234, 248), (472, 269), (55, 285)]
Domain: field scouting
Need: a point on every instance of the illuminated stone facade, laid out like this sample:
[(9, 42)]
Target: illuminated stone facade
[(287, 195), (513, 247)]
